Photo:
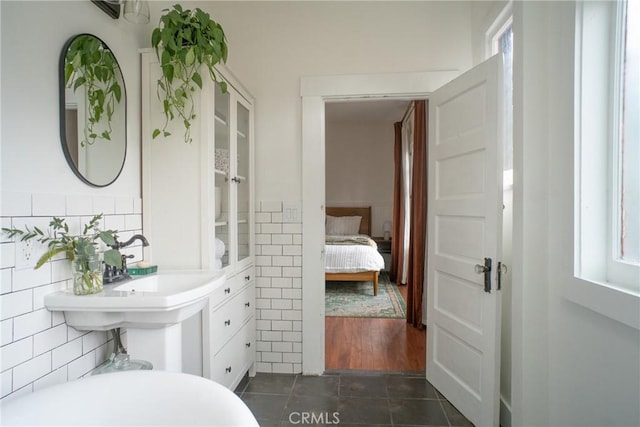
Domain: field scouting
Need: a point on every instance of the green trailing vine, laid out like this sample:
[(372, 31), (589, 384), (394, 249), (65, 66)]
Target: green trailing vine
[(91, 65), (184, 41)]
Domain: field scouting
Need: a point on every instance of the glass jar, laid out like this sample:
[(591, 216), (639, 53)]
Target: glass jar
[(87, 275)]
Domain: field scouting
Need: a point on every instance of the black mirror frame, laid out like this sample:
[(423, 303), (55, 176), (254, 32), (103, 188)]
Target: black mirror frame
[(62, 106)]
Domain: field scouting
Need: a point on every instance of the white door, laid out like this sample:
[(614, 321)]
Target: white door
[(465, 228)]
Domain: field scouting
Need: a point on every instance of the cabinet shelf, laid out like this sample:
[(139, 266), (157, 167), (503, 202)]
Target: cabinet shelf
[(221, 223), (220, 119), (220, 172), (242, 135)]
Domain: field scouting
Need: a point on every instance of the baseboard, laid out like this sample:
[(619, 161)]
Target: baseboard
[(505, 413)]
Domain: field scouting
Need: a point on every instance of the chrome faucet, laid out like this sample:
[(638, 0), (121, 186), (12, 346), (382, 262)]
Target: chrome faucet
[(115, 274)]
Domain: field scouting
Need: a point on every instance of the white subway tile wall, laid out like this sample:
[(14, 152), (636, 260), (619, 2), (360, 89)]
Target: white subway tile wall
[(37, 348), (278, 291)]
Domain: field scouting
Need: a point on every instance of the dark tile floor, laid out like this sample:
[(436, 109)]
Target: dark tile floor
[(347, 399)]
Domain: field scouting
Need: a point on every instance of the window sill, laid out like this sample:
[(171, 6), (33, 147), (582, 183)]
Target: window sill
[(616, 303)]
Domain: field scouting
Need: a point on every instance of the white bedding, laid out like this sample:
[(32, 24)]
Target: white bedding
[(351, 259)]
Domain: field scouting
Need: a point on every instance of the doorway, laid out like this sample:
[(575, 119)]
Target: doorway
[(364, 331), (316, 92), (461, 168)]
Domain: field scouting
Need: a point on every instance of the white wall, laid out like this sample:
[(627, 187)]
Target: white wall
[(359, 167), (571, 365), (274, 44), (30, 94), (484, 15), (37, 347)]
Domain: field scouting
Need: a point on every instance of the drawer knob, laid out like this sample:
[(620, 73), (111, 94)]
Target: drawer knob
[(227, 291), (228, 369), (247, 278), (247, 304), (227, 322), (248, 344)]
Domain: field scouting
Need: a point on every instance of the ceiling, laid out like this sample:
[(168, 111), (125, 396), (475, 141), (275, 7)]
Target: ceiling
[(385, 110)]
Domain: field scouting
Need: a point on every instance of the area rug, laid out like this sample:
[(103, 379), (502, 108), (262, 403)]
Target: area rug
[(355, 299)]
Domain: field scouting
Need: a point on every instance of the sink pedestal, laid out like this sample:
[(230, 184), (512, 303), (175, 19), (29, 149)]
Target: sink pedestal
[(151, 309), (161, 347)]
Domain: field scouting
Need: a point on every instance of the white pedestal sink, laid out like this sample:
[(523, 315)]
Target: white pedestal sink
[(151, 308)]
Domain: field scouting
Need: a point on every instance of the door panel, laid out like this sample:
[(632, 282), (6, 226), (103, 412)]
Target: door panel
[(452, 244), (454, 296), (459, 359), (470, 106), (464, 228), (451, 184)]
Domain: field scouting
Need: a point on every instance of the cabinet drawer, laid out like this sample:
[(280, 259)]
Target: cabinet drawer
[(228, 318), (230, 364), (245, 276), (233, 284)]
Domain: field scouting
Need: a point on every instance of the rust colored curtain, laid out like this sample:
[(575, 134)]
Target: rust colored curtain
[(395, 271), (418, 215)]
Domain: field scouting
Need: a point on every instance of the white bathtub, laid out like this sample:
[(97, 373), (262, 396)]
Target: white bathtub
[(132, 398)]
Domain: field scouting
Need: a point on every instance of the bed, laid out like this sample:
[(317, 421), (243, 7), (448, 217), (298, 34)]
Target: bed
[(350, 256)]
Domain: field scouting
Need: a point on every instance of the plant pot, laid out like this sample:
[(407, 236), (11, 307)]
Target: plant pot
[(87, 275)]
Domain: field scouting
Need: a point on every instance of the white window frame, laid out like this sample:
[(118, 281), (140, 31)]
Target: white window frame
[(618, 270), (594, 284), (494, 32), (492, 36)]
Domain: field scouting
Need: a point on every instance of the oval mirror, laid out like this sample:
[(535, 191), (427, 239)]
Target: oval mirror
[(93, 112)]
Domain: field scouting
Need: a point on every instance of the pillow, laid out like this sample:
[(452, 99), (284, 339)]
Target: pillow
[(343, 225)]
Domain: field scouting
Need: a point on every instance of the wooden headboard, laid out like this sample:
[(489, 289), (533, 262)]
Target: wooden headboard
[(365, 213)]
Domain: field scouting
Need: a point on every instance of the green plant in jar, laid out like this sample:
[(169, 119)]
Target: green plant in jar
[(80, 250)]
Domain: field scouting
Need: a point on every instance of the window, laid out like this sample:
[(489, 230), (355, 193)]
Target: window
[(499, 38), (607, 191), (627, 145), (505, 46)]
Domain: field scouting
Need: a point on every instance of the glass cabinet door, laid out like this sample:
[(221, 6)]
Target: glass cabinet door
[(242, 181), (222, 171)]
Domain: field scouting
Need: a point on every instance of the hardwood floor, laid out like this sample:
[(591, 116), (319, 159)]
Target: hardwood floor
[(374, 344)]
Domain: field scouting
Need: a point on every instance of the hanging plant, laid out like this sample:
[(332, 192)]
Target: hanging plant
[(89, 64), (184, 41)]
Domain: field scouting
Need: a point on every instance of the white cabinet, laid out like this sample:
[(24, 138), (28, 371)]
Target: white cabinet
[(195, 194), (232, 339)]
